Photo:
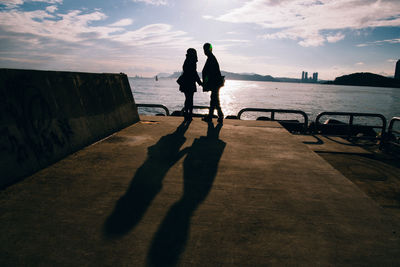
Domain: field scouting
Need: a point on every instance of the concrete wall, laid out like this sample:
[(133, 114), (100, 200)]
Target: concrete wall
[(46, 115)]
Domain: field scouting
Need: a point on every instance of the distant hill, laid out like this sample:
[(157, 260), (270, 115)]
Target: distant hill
[(237, 76), (366, 79), (247, 77), (287, 80)]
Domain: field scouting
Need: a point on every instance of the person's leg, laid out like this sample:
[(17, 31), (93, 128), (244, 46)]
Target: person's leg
[(209, 117), (186, 106), (190, 105), (212, 103), (218, 107)]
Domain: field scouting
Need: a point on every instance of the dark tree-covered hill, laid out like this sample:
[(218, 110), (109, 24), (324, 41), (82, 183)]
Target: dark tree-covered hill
[(366, 79)]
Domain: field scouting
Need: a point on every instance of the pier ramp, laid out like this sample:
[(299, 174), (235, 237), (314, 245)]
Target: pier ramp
[(163, 193)]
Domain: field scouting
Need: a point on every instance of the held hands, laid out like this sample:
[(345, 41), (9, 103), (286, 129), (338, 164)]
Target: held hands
[(204, 81)]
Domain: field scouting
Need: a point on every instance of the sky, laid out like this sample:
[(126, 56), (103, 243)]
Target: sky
[(281, 38)]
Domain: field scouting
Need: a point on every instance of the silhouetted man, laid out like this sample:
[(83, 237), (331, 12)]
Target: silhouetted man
[(212, 81)]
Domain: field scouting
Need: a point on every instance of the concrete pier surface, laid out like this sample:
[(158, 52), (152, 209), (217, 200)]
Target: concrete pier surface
[(163, 193)]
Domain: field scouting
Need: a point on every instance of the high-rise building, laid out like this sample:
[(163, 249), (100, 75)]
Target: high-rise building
[(397, 71), (306, 79), (315, 77)]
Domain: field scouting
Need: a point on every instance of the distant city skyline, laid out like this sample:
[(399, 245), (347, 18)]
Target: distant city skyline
[(305, 78), (147, 37)]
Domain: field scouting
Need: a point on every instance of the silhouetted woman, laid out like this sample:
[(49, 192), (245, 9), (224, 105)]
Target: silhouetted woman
[(190, 77)]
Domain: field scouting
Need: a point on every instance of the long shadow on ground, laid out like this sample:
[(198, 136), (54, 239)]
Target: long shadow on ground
[(146, 183), (200, 169)]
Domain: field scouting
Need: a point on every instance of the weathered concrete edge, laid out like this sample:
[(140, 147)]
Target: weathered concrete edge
[(47, 115)]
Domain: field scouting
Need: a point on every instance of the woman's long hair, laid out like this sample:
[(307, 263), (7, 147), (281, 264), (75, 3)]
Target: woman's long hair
[(191, 54)]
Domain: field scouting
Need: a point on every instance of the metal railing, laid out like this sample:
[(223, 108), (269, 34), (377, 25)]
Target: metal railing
[(350, 129), (154, 106), (336, 129), (199, 107), (290, 125), (180, 112), (392, 133)]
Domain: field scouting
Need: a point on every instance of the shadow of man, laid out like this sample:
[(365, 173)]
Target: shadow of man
[(146, 183), (200, 169)]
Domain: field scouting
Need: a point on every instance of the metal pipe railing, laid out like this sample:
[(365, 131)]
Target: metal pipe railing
[(198, 107), (319, 126), (391, 131), (351, 126), (391, 123), (154, 106), (273, 111)]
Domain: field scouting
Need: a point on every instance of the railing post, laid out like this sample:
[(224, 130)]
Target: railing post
[(350, 128), (391, 131), (153, 106)]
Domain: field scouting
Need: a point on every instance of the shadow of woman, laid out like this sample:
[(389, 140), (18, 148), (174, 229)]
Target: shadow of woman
[(146, 183), (200, 169)]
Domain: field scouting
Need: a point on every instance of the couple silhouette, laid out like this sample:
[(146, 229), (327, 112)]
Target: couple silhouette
[(200, 166), (212, 81)]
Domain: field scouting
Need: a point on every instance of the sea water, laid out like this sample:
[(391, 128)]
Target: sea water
[(310, 98)]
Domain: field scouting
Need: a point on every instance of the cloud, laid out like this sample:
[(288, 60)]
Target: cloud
[(335, 38), (381, 42), (152, 2), (66, 27), (46, 1), (51, 9), (234, 41), (15, 3), (76, 27), (161, 35), (80, 40), (359, 63), (312, 22), (207, 17), (11, 3), (122, 23)]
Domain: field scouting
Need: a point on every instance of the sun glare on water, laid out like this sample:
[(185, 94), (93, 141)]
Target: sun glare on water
[(228, 99)]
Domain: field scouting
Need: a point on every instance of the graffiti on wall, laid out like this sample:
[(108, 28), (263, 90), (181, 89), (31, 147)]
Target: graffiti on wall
[(30, 128)]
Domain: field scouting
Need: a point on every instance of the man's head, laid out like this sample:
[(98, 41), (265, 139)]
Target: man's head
[(207, 47)]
